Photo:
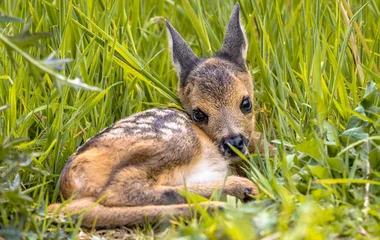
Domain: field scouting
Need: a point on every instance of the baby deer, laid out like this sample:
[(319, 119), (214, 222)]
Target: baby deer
[(137, 167)]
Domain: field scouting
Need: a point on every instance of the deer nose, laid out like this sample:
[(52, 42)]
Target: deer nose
[(239, 142)]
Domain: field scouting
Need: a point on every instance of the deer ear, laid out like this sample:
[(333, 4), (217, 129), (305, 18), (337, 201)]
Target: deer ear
[(235, 42), (184, 59)]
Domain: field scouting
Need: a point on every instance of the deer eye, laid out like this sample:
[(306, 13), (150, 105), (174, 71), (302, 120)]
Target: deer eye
[(199, 116), (246, 105)]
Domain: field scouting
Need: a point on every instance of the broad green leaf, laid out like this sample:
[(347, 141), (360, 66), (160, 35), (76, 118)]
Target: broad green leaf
[(319, 171), (336, 164), (355, 134), (310, 148)]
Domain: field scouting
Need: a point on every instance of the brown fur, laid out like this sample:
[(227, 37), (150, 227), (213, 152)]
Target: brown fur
[(138, 167)]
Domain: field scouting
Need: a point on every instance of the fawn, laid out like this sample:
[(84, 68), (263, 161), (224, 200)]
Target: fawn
[(136, 168)]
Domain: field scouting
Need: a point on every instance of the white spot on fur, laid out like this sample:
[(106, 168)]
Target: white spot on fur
[(161, 113), (147, 120), (78, 182), (143, 125), (166, 134), (166, 131), (117, 131), (182, 120), (137, 130), (172, 125), (148, 134)]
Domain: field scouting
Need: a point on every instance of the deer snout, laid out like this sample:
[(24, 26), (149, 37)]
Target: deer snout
[(238, 141)]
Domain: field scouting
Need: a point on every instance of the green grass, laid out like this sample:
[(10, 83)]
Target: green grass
[(316, 92)]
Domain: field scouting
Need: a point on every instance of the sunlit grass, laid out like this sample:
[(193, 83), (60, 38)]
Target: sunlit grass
[(316, 90)]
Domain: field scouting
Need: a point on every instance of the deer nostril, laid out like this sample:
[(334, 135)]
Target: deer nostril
[(239, 142)]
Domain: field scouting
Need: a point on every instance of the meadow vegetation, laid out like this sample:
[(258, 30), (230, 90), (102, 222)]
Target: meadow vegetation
[(68, 69)]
